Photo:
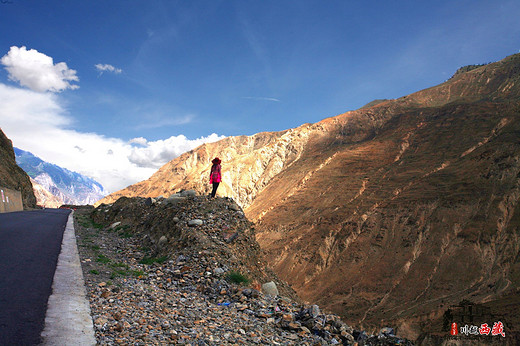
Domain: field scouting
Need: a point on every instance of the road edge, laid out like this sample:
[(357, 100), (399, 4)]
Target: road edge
[(68, 320)]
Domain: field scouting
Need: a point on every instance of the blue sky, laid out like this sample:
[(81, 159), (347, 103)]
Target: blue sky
[(146, 80)]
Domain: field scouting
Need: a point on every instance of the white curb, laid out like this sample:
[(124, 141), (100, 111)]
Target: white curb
[(68, 320)]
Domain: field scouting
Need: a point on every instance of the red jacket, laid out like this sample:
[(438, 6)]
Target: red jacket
[(215, 176)]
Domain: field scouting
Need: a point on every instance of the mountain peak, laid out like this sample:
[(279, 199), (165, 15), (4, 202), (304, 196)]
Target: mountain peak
[(67, 186)]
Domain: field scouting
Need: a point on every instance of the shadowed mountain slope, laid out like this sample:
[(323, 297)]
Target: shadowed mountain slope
[(12, 176)]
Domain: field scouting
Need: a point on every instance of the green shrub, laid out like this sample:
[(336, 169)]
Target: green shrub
[(125, 234), (152, 260), (87, 222), (102, 259), (126, 272), (237, 278)]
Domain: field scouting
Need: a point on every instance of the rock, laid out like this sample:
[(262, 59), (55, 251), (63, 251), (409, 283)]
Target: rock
[(149, 201), (174, 199), (270, 288), (163, 240), (315, 311), (348, 337), (293, 326), (115, 224), (230, 237), (195, 222), (188, 193), (359, 336), (218, 271), (100, 321), (234, 207), (287, 317), (292, 336), (386, 331), (305, 329)]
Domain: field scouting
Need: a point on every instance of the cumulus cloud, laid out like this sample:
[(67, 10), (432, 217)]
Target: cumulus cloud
[(107, 68), (37, 71), (139, 141), (156, 154), (38, 123)]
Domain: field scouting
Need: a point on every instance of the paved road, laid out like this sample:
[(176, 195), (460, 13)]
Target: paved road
[(30, 244)]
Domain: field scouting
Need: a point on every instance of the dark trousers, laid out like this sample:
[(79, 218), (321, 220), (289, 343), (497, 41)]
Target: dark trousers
[(215, 187)]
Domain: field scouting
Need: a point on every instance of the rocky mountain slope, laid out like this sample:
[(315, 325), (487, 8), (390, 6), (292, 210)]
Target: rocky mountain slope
[(68, 187), (390, 213), (11, 175), (188, 270), (44, 198)]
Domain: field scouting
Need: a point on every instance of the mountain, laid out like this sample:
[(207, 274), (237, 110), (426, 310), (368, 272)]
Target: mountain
[(11, 175), (388, 214), (68, 187), (44, 197)]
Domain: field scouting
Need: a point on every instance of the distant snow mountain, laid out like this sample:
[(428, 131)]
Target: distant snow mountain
[(69, 187)]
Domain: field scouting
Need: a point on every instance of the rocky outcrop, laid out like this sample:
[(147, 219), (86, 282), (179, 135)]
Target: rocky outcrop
[(11, 175), (386, 213)]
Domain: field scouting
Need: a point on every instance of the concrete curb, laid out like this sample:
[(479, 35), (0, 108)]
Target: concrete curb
[(68, 320)]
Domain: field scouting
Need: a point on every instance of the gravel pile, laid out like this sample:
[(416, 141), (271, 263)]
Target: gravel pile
[(153, 277)]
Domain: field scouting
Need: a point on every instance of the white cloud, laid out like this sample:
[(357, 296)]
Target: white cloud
[(261, 98), (158, 121), (106, 67), (139, 141), (38, 123), (156, 154), (37, 71)]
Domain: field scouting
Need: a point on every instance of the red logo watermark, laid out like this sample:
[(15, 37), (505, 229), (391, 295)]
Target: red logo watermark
[(498, 329), (454, 329)]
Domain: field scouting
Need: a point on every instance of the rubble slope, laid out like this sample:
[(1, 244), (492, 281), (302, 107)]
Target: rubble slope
[(171, 271)]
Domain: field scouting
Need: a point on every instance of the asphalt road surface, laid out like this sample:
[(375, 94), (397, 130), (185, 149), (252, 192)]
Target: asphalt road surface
[(30, 243)]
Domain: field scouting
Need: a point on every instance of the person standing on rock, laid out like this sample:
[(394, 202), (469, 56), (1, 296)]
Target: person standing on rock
[(215, 176)]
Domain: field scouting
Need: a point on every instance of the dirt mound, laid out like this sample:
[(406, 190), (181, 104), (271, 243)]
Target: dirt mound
[(193, 224)]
